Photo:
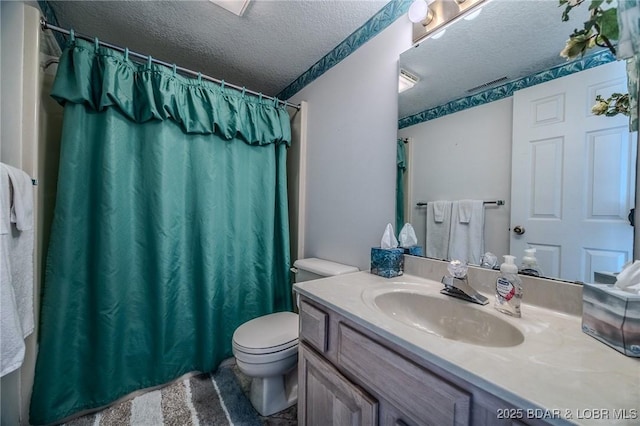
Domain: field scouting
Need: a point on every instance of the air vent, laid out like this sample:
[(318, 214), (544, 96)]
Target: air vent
[(237, 7), (406, 80), (488, 84), (411, 77)]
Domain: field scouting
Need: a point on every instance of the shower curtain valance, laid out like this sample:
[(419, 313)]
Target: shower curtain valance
[(103, 78)]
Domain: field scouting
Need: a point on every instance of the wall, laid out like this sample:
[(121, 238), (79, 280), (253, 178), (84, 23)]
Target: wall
[(351, 150), (296, 186), (445, 151), (20, 93)]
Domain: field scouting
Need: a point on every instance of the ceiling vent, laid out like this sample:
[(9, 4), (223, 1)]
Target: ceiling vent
[(237, 7), (406, 80), (488, 84)]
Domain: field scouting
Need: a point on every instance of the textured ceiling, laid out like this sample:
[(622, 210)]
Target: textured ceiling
[(512, 38), (272, 44)]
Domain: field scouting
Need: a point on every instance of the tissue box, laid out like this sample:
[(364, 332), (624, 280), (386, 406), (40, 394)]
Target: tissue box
[(414, 250), (612, 316), (387, 263)]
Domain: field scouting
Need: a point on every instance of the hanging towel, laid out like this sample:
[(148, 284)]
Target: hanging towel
[(465, 210), (467, 231), (438, 229), (440, 208), (16, 261)]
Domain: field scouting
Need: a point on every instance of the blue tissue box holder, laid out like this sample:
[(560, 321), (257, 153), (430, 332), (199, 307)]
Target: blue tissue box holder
[(612, 316), (387, 263), (414, 250)]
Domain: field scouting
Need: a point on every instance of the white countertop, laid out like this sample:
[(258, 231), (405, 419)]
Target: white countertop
[(557, 367)]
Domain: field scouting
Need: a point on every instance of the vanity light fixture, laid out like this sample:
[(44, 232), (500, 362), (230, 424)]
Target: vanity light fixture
[(431, 16), (419, 12), (406, 80)]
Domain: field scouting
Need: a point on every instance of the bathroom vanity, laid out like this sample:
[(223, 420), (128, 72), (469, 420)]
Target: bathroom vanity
[(397, 352)]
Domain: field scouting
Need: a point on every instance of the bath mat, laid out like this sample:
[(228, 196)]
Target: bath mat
[(202, 400)]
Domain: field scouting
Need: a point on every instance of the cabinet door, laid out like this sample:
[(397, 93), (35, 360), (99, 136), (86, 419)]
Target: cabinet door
[(326, 397), (423, 397)]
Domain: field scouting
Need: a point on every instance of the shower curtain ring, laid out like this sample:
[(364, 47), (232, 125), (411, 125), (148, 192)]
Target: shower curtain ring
[(72, 35), (149, 60), (244, 89), (199, 77), (126, 53), (96, 43), (174, 69), (222, 84)]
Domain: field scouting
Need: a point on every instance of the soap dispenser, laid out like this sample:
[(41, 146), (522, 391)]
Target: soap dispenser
[(530, 263), (509, 288)]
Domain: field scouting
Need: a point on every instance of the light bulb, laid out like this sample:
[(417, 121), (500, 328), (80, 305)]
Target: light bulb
[(473, 15), (418, 11), (439, 34)]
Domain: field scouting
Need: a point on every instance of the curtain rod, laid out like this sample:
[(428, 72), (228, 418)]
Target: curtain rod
[(47, 26), (496, 202)]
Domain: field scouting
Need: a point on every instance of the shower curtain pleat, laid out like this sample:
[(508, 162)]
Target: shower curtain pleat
[(401, 164), (170, 229)]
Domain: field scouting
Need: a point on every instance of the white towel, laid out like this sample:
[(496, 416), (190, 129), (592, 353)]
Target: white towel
[(438, 229), (467, 231), (16, 261), (21, 193), (465, 210), (440, 208)]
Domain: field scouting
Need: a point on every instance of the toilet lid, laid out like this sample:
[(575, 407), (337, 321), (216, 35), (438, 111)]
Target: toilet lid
[(269, 333)]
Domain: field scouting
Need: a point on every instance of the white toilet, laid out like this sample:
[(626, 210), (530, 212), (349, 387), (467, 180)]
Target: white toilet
[(266, 348)]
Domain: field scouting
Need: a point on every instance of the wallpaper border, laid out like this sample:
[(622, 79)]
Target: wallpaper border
[(507, 89), (375, 25)]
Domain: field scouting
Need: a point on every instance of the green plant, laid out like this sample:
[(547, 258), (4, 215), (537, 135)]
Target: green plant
[(617, 103), (600, 30)]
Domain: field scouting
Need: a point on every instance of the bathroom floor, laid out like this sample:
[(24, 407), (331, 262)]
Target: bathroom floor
[(190, 402), (288, 417)]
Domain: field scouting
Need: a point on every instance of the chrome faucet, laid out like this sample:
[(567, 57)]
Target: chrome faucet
[(460, 288)]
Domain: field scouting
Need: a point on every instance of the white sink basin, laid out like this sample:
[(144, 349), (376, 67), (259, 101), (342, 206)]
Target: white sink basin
[(444, 316)]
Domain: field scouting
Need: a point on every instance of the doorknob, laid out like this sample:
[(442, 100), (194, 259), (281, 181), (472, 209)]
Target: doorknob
[(518, 229)]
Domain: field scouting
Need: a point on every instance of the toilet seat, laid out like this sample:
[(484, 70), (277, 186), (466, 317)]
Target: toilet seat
[(265, 358), (268, 334)]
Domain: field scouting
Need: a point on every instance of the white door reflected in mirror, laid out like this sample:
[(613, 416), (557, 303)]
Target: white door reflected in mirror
[(573, 176)]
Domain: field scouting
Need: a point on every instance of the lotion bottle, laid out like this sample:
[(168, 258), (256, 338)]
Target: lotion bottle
[(509, 288)]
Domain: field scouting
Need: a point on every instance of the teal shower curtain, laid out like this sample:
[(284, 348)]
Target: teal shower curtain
[(401, 168), (170, 229)]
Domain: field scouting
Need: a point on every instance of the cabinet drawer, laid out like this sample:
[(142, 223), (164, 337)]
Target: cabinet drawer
[(422, 396), (314, 325)]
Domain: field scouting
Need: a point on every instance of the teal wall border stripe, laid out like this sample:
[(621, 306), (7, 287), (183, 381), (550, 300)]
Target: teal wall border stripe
[(50, 17), (507, 89), (381, 20)]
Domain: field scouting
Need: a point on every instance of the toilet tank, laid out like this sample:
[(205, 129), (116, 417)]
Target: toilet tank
[(314, 268)]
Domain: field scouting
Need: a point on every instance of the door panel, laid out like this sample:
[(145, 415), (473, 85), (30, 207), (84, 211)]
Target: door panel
[(573, 175)]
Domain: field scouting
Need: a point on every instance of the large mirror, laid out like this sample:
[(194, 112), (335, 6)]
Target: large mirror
[(573, 172)]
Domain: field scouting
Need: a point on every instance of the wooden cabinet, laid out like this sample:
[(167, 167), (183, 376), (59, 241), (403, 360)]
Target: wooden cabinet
[(351, 376), (415, 391), (330, 398)]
